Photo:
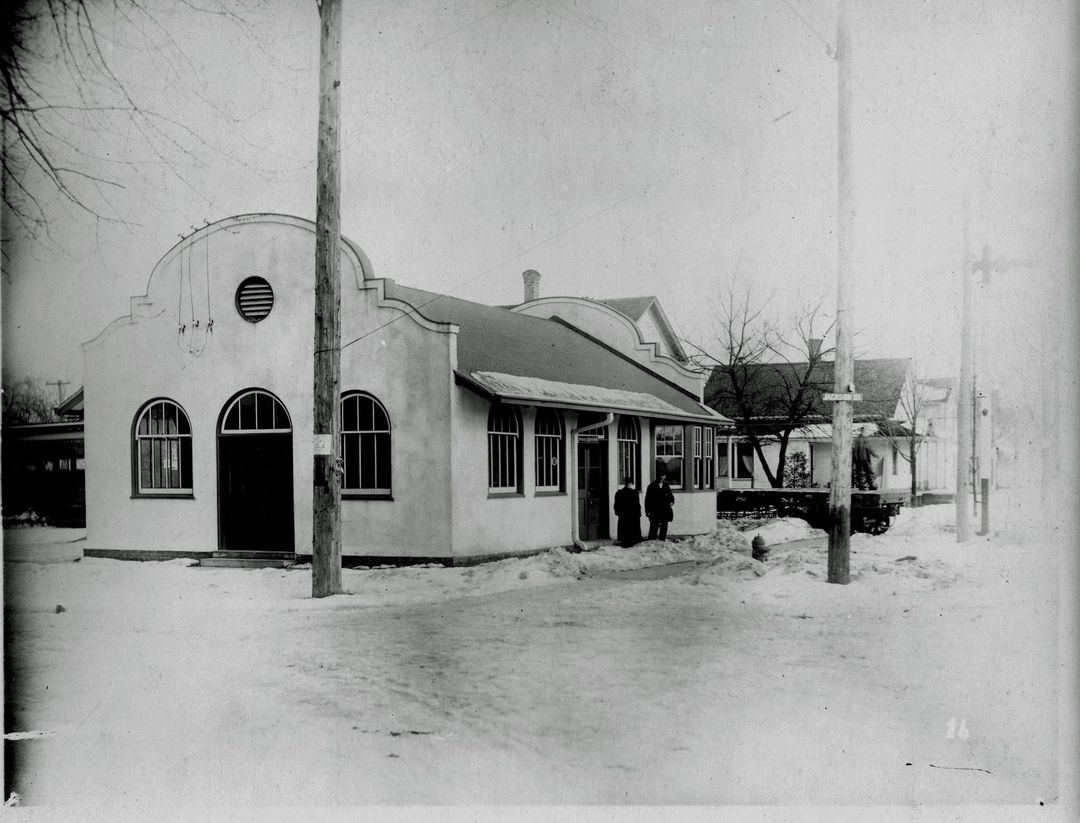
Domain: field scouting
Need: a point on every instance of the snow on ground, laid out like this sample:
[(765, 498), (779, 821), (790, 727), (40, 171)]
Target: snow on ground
[(931, 679)]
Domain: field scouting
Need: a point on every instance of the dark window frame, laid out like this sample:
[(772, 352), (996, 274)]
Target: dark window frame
[(379, 438), (157, 451)]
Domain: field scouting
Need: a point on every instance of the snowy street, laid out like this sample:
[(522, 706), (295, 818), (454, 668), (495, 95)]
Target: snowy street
[(931, 679)]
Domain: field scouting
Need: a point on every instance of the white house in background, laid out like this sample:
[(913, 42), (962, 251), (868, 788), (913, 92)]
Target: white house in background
[(467, 431), (882, 416)]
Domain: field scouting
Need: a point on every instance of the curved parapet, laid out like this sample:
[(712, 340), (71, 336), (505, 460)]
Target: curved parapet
[(617, 331), (203, 269)]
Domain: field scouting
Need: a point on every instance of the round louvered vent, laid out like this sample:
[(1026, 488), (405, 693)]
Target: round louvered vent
[(254, 299)]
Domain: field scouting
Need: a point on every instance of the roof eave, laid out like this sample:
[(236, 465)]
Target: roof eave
[(707, 416)]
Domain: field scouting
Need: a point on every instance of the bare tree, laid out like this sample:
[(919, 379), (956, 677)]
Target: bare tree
[(27, 401), (905, 437), (73, 132), (765, 377)]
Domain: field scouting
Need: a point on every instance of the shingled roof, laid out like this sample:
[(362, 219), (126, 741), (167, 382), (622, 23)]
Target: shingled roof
[(880, 382), (494, 344)]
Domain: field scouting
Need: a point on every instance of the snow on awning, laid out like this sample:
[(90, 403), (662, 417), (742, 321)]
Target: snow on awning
[(514, 388)]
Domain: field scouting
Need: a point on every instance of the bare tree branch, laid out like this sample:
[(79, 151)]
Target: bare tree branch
[(763, 378)]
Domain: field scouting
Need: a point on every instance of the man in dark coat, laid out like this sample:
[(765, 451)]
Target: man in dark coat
[(862, 463), (628, 510), (658, 507)]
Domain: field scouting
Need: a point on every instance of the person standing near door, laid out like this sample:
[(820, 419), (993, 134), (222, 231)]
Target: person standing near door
[(659, 503), (628, 510)]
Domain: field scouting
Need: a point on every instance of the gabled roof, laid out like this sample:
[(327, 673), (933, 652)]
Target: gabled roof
[(495, 345), (771, 386), (632, 307), (72, 408)]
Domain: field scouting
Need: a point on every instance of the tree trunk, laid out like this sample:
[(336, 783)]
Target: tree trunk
[(914, 472)]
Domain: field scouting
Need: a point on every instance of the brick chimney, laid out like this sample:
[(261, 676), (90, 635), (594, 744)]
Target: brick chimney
[(815, 347), (532, 284)]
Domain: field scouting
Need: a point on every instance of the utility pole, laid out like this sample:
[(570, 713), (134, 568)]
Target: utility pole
[(979, 400), (59, 389), (844, 367), (963, 397), (326, 500)]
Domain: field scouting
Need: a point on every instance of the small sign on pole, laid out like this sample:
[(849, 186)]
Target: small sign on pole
[(833, 397), (322, 444)]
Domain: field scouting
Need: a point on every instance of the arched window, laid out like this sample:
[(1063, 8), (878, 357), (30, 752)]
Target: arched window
[(549, 442), (365, 445), (255, 411), (162, 450), (504, 449), (629, 449)]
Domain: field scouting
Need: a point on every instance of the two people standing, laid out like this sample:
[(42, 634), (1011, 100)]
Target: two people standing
[(659, 508)]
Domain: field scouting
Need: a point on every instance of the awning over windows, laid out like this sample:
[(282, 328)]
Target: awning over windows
[(535, 391)]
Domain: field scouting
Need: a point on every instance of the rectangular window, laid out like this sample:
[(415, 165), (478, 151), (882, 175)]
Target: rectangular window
[(895, 459), (628, 450), (503, 464), (547, 462), (723, 461), (699, 466), (708, 476), (744, 461), (669, 454), (628, 461)]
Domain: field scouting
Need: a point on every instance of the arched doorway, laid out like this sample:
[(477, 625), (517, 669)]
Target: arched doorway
[(255, 479)]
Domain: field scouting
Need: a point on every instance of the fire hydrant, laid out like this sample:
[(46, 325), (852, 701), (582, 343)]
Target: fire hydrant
[(758, 549)]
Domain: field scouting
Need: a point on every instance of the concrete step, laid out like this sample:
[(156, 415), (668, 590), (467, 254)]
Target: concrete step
[(278, 562)]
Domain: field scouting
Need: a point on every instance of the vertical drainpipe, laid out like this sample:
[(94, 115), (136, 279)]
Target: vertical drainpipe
[(572, 479)]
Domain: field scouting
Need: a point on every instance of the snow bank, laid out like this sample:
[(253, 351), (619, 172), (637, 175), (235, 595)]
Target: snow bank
[(784, 530), (417, 584)]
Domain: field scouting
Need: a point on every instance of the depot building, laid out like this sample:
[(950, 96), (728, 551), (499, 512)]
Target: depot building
[(468, 431)]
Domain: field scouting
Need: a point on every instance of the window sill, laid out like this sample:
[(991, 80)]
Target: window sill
[(179, 496), (361, 496), (549, 494), (504, 495)]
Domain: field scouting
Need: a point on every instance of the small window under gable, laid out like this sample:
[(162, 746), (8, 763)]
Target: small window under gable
[(254, 299)]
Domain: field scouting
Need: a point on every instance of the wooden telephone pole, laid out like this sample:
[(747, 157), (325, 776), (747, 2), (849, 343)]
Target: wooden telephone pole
[(326, 505), (963, 395), (844, 369)]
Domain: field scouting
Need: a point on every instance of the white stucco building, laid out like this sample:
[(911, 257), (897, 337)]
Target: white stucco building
[(467, 431)]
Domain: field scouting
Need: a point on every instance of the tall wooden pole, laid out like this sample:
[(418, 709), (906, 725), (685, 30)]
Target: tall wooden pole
[(326, 520), (963, 396), (844, 368)]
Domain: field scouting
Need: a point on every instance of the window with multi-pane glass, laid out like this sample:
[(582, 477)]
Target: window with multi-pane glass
[(703, 457), (549, 436), (162, 449), (629, 443), (504, 449), (669, 454), (365, 445)]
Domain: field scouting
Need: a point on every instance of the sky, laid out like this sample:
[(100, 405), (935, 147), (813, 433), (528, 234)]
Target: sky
[(619, 148)]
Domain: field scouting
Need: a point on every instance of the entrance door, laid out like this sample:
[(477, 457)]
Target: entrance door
[(255, 485), (592, 490)]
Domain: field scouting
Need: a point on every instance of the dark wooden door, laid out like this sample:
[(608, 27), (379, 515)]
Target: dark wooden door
[(255, 496), (592, 490)]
